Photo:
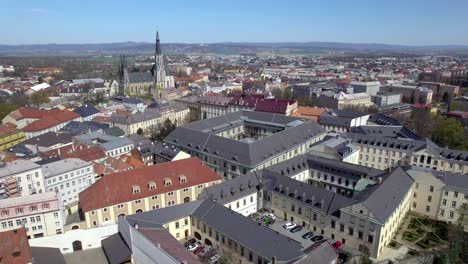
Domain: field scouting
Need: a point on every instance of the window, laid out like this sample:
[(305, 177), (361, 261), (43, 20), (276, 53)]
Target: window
[(454, 204), (442, 212), (170, 193), (431, 188), (451, 215), (370, 238), (104, 209), (138, 201), (444, 202), (19, 210), (151, 185), (333, 224), (341, 227), (167, 182), (429, 198), (177, 225), (119, 206), (360, 234), (455, 194), (33, 208), (350, 231), (154, 197), (135, 189), (428, 208)]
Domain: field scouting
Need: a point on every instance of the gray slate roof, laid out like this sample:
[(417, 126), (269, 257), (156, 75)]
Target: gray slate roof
[(232, 190), (195, 137), (260, 239), (382, 199), (386, 131), (46, 255), (86, 110), (139, 77), (115, 249)]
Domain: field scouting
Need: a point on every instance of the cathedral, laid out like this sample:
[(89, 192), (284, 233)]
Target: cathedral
[(158, 82)]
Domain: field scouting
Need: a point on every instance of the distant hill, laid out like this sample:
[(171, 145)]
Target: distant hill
[(219, 48)]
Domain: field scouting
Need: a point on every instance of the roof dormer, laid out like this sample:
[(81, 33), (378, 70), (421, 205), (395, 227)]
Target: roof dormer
[(135, 189), (151, 185)]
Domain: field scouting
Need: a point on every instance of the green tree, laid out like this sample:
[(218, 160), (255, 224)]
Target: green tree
[(39, 98), (445, 98), (450, 133), (140, 131), (19, 100), (277, 93), (287, 94), (5, 109)]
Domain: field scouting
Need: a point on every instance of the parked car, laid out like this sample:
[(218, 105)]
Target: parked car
[(189, 242), (317, 238), (289, 225), (272, 216), (194, 246), (205, 250), (213, 259), (337, 244), (307, 235), (198, 250), (295, 229)]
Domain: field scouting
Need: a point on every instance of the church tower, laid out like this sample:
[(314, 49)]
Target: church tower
[(159, 69)]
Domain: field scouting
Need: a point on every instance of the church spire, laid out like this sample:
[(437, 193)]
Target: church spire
[(158, 45)]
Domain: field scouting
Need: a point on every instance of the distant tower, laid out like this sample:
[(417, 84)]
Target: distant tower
[(159, 70), (122, 72)]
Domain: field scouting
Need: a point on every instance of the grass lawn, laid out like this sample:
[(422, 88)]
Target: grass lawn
[(395, 245), (410, 236)]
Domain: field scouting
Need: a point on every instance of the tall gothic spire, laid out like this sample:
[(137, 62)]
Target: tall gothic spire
[(158, 45)]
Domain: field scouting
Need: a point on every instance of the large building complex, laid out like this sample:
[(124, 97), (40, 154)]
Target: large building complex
[(239, 142), (410, 94), (144, 189), (25, 175)]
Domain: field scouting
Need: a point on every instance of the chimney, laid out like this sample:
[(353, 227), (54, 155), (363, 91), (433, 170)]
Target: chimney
[(136, 226), (273, 260), (379, 180)]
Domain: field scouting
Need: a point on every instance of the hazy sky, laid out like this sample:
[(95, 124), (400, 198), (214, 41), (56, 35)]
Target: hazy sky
[(413, 22)]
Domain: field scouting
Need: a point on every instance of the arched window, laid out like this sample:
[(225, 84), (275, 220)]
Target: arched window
[(186, 199), (139, 211), (77, 245), (197, 235)]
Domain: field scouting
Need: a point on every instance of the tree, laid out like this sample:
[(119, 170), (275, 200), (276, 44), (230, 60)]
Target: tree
[(161, 130), (445, 98), (287, 94), (5, 109), (450, 133), (277, 93), (140, 131), (39, 98), (19, 100)]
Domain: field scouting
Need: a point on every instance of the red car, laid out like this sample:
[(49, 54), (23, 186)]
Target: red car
[(198, 250), (337, 244)]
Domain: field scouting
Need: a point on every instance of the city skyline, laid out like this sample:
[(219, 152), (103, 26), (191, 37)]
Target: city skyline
[(415, 23)]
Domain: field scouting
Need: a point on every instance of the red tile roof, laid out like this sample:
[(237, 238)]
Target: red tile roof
[(46, 118), (14, 247), (273, 105), (76, 150), (117, 187), (7, 129), (308, 112)]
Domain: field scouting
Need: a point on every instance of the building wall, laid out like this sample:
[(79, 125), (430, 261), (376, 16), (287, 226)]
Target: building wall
[(427, 196), (111, 213), (9, 140), (451, 200), (70, 183), (30, 182), (45, 219), (245, 206)]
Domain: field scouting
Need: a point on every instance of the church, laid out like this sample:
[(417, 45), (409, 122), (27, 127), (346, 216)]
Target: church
[(159, 83)]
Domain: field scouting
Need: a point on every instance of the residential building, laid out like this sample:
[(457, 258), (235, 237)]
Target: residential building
[(239, 142), (87, 112), (68, 177), (382, 152), (335, 147), (10, 136), (15, 247), (143, 189), (345, 101), (35, 122), (213, 106), (41, 214), (410, 94), (385, 99), (276, 106), (27, 174), (439, 90), (112, 146), (306, 112), (342, 120), (150, 119), (370, 88)]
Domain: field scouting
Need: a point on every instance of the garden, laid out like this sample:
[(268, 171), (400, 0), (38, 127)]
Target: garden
[(426, 233)]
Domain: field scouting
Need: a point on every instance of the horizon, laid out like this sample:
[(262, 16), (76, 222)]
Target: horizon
[(403, 23)]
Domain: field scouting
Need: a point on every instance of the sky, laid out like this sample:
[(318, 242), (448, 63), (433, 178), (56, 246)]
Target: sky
[(403, 22)]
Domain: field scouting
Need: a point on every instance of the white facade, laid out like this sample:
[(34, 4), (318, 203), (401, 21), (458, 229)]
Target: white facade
[(54, 128), (68, 177), (89, 238), (41, 214), (28, 175), (245, 205)]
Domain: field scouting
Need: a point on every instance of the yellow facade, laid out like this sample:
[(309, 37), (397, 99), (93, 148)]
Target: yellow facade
[(9, 140)]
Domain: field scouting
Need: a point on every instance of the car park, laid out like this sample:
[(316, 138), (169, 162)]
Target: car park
[(189, 242), (295, 229), (317, 238), (198, 250), (337, 244), (272, 216), (193, 247), (289, 225), (308, 235), (214, 259), (205, 250)]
